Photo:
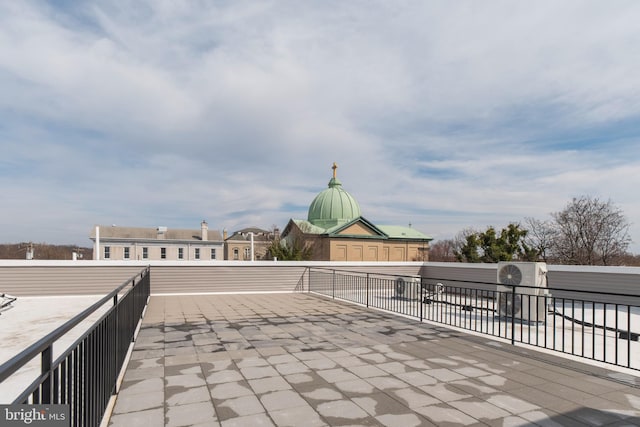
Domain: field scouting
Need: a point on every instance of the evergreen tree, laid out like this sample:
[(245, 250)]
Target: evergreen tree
[(491, 247)]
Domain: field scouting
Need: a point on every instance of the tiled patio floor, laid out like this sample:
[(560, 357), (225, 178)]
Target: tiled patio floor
[(302, 360)]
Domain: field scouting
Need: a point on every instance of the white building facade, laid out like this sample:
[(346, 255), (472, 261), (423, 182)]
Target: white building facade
[(156, 244)]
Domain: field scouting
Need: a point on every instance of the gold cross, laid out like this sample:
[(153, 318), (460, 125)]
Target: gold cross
[(334, 167)]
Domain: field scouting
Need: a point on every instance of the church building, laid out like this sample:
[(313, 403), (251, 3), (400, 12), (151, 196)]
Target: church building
[(335, 230)]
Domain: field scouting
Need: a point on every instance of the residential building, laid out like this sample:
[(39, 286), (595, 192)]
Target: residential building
[(243, 243), (159, 243)]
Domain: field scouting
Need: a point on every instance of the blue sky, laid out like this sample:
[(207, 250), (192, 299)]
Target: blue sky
[(446, 115)]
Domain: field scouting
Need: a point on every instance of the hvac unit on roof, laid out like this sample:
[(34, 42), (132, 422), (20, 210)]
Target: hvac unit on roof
[(529, 280), (408, 287)]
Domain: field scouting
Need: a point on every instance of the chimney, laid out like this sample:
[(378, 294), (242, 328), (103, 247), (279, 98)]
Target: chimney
[(204, 230), (276, 233), (225, 235), (161, 233)]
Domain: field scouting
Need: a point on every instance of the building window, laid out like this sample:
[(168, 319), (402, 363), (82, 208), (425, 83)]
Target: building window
[(126, 253), (235, 253), (163, 253), (107, 252), (197, 253), (247, 253), (213, 253), (145, 253), (180, 253)]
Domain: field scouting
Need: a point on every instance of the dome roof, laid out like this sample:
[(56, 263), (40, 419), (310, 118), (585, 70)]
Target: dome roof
[(333, 206)]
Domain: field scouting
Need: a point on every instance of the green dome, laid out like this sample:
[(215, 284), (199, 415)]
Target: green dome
[(333, 206)]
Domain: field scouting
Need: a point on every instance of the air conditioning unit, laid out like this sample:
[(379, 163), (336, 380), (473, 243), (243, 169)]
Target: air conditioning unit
[(408, 287), (529, 303)]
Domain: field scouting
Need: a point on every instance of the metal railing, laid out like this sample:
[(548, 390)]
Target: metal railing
[(583, 324), (85, 375)]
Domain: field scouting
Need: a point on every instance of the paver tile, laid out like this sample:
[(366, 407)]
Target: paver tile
[(183, 396), (356, 386), (184, 380), (282, 400), (143, 374), (264, 385), (139, 402), (416, 378), (386, 382), (414, 399), (444, 375), (141, 387), (292, 368), (229, 390), (191, 414), (479, 409), (240, 407), (219, 377), (295, 417), (343, 409), (258, 420), (259, 372), (152, 417), (336, 375), (511, 404), (444, 415), (322, 394), (320, 363), (405, 420)]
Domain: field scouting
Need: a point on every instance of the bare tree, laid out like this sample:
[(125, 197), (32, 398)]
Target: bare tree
[(43, 251), (589, 231), (443, 251), (461, 238), (541, 236)]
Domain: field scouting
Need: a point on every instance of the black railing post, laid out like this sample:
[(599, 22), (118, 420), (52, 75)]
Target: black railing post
[(628, 335), (513, 314), (333, 285), (116, 347), (420, 300), (47, 361), (367, 291)]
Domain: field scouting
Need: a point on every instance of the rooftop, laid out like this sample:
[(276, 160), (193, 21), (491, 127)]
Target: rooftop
[(151, 233), (218, 350), (299, 359)]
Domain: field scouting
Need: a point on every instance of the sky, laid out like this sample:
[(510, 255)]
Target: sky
[(443, 115)]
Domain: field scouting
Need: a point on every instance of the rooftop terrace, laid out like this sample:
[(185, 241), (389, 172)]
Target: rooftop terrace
[(304, 360), (256, 344)]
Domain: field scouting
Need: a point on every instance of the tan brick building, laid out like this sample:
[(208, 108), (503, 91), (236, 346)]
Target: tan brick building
[(239, 246)]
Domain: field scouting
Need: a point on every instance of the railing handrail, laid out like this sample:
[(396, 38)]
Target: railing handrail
[(476, 282), (364, 274), (551, 288), (519, 315), (16, 362)]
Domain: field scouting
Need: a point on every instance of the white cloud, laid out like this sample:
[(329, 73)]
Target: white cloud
[(445, 115)]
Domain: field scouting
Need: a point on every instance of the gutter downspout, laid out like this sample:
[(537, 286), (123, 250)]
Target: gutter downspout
[(252, 253), (96, 251)]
